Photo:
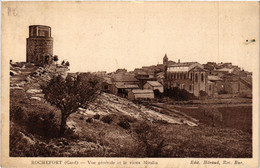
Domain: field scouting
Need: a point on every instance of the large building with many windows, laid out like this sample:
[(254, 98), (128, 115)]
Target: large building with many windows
[(190, 76)]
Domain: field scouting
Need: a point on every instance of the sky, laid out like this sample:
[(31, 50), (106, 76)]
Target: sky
[(105, 36)]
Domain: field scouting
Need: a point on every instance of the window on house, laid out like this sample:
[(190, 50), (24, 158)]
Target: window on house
[(209, 87), (196, 77), (191, 76), (202, 77), (190, 88)]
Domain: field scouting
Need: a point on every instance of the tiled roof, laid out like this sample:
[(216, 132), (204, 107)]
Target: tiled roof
[(154, 83), (214, 78), (182, 64), (225, 70), (124, 78)]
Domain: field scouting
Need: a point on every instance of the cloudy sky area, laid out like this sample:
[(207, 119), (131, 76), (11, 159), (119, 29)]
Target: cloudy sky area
[(96, 36)]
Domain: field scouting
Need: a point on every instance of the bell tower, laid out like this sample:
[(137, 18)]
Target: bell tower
[(165, 59)]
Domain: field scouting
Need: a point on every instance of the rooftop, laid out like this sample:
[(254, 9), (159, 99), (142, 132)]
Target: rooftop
[(124, 78), (182, 64), (154, 83), (214, 78)]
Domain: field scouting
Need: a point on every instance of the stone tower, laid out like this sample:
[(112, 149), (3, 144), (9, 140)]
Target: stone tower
[(39, 48), (165, 59)]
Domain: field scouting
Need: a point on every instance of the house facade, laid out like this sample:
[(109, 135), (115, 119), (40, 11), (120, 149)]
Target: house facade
[(138, 94), (153, 85)]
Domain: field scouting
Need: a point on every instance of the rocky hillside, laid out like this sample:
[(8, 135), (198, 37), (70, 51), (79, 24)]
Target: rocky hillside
[(110, 127)]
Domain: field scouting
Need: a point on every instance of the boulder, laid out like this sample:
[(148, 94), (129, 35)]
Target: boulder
[(25, 139), (34, 91), (13, 73), (17, 88), (21, 83), (36, 98)]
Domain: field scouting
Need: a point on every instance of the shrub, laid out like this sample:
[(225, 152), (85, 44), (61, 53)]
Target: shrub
[(124, 124), (245, 95), (158, 94), (222, 92), (18, 115), (81, 117), (212, 113), (89, 120), (107, 119), (151, 139), (43, 124), (96, 116), (178, 94), (203, 94)]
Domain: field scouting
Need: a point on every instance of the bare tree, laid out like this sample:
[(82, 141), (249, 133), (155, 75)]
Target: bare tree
[(69, 94)]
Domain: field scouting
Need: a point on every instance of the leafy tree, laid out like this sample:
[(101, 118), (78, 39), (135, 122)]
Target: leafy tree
[(178, 94), (55, 58), (69, 94)]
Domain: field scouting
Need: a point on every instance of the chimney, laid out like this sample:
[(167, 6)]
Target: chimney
[(178, 60)]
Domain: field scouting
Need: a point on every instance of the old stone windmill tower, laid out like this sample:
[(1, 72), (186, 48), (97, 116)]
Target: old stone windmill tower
[(39, 48)]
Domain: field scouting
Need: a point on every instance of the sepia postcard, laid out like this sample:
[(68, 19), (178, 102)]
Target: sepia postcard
[(130, 84)]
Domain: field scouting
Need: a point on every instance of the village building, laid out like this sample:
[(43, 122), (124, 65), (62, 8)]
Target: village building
[(215, 85), (234, 84), (121, 89), (190, 76), (39, 48), (106, 85), (153, 85), (121, 70), (160, 77), (143, 77), (121, 83), (125, 78), (138, 94)]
